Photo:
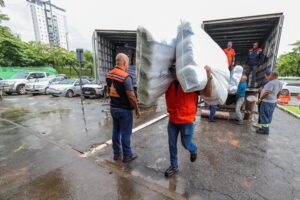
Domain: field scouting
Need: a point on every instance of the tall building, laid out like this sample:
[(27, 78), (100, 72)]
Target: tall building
[(49, 22)]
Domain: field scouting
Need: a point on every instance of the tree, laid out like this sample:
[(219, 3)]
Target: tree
[(289, 64), (2, 4)]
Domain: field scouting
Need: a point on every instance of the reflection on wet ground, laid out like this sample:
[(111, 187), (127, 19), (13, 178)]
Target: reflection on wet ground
[(36, 161)]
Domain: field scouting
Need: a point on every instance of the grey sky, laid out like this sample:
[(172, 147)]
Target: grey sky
[(161, 16)]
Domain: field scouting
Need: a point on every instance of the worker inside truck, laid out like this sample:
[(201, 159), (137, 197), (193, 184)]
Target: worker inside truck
[(254, 61)]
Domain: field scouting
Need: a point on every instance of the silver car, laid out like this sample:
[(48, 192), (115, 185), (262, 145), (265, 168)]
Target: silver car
[(67, 88), (40, 86), (291, 88), (95, 89)]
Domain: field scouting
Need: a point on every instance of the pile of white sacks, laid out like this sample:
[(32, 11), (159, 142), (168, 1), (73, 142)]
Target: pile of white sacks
[(192, 49)]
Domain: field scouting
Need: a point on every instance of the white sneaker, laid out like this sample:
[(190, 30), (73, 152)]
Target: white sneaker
[(256, 125)]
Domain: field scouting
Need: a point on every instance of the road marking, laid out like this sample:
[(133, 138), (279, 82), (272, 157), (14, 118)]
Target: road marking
[(20, 147), (109, 142), (141, 181)]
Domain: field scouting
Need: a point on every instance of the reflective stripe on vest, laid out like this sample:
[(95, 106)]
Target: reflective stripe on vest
[(117, 74)]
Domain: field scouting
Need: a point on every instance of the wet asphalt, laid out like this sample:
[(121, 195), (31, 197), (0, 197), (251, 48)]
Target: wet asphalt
[(42, 140)]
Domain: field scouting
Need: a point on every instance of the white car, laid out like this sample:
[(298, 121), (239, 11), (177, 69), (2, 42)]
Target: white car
[(17, 83), (40, 86), (94, 89), (291, 88), (67, 88)]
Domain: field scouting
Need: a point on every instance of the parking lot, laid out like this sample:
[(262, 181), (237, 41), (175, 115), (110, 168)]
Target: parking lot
[(43, 139)]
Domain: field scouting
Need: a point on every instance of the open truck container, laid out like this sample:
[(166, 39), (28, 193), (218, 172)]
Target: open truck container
[(243, 32), (107, 44)]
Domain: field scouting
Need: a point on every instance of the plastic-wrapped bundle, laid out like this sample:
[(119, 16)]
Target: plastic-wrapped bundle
[(235, 77), (194, 50), (153, 59)]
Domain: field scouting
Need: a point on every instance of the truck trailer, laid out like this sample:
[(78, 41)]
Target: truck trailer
[(242, 31)]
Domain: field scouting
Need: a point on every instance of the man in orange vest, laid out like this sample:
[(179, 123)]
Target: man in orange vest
[(230, 53), (182, 109), (122, 101)]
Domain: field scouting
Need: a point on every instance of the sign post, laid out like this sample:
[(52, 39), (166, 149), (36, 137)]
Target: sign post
[(80, 60)]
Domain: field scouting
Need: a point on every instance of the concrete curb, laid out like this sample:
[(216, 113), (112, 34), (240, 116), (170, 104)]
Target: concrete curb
[(287, 111)]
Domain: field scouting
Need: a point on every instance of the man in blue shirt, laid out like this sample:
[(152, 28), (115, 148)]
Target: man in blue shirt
[(241, 93), (254, 61)]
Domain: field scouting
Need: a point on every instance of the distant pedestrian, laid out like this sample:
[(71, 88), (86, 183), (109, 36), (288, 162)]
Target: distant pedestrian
[(182, 109), (254, 61), (241, 93), (267, 101), (123, 100), (230, 53)]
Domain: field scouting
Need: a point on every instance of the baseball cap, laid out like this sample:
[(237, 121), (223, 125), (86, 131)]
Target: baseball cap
[(268, 71)]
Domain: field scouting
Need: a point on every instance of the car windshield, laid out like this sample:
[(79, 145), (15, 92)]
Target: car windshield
[(67, 81), (21, 75)]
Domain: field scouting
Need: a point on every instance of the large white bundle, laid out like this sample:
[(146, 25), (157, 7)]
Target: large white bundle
[(153, 59), (235, 77), (195, 49)]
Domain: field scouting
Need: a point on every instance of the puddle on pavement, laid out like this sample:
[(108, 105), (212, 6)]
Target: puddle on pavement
[(14, 113)]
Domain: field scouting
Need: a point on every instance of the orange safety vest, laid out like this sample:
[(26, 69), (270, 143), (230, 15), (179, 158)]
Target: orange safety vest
[(117, 74), (115, 82), (230, 53), (181, 106)]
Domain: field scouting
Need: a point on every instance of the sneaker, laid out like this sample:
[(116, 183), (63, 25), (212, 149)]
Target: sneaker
[(129, 158), (171, 171), (262, 132), (117, 157), (212, 120), (193, 157), (256, 125)]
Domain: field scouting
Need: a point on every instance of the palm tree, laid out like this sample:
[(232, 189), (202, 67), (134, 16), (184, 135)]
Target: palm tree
[(2, 4)]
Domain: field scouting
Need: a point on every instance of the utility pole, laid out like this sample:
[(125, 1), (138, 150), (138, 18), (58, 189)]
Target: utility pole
[(80, 60)]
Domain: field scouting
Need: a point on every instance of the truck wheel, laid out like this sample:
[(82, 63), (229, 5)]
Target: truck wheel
[(21, 89), (285, 92), (8, 93), (69, 93)]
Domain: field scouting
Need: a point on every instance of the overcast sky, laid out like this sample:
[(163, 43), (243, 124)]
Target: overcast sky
[(161, 16)]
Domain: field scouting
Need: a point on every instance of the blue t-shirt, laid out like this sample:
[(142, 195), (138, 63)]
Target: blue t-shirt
[(241, 91), (128, 83)]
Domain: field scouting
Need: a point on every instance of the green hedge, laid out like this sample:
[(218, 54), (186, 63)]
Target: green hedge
[(71, 73)]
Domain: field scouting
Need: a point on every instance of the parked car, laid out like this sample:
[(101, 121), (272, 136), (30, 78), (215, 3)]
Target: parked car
[(67, 88), (291, 88), (94, 89), (40, 86), (18, 82)]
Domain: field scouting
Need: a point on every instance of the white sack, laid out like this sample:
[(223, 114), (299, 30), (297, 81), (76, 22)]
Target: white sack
[(195, 49), (153, 59), (235, 77)]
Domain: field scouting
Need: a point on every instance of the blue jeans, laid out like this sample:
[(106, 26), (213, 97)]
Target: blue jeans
[(186, 133), (266, 114), (122, 129), (212, 112), (252, 70)]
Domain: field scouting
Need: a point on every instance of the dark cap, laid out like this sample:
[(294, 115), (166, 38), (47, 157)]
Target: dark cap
[(268, 71)]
